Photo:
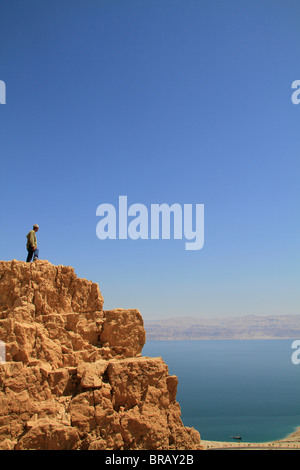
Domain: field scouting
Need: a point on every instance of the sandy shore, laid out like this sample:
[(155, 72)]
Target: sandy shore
[(291, 442)]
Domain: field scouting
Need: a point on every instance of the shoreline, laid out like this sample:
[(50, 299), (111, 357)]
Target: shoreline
[(290, 442)]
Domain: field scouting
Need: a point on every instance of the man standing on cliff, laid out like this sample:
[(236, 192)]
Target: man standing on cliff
[(32, 244)]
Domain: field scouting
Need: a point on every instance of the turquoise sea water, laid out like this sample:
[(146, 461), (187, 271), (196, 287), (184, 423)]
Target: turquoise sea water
[(247, 388)]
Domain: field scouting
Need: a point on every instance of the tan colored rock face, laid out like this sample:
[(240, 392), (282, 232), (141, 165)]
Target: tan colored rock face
[(74, 377), (47, 288)]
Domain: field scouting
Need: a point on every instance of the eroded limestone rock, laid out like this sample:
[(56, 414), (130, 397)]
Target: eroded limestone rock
[(74, 376)]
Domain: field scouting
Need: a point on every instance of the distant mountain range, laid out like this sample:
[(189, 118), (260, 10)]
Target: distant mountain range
[(241, 327)]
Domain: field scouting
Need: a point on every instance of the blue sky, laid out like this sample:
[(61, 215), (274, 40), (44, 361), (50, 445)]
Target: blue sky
[(168, 101)]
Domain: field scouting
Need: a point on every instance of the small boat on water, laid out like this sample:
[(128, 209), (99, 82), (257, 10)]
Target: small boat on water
[(238, 438)]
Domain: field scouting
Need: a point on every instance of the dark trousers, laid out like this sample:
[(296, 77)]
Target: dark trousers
[(31, 253)]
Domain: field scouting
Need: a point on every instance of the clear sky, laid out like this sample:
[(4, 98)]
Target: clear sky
[(173, 101)]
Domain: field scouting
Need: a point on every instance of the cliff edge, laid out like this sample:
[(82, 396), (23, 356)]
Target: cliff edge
[(73, 376)]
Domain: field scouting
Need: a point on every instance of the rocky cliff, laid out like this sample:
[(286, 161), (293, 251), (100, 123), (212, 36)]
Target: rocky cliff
[(73, 375)]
